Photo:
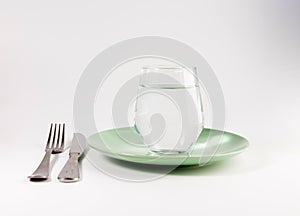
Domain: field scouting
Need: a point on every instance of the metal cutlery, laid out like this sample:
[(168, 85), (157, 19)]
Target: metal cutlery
[(55, 145), (70, 172)]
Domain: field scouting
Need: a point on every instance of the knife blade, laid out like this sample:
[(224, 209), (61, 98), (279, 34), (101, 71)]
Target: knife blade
[(70, 172)]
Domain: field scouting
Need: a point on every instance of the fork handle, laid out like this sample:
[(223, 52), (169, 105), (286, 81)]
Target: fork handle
[(70, 172), (42, 172)]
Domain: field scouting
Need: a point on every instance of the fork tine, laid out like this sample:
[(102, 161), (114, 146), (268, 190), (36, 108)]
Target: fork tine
[(63, 138), (58, 137), (49, 137), (54, 136)]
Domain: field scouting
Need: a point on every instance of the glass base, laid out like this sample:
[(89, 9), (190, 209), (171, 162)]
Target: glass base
[(168, 152)]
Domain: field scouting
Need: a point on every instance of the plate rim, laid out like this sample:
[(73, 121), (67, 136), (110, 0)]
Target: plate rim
[(153, 156)]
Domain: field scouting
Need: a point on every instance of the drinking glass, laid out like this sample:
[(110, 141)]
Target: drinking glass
[(168, 112)]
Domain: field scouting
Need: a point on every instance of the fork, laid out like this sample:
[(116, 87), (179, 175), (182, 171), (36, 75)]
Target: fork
[(55, 145)]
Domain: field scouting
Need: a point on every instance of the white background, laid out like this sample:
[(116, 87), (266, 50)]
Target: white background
[(254, 49)]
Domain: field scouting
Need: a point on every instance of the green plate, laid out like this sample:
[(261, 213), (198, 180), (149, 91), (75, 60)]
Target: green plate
[(126, 144)]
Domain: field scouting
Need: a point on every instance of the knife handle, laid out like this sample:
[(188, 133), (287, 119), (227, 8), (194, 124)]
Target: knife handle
[(70, 172)]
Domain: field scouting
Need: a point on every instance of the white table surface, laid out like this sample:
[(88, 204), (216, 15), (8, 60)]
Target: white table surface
[(254, 50)]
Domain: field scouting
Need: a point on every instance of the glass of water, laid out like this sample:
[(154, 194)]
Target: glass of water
[(168, 112)]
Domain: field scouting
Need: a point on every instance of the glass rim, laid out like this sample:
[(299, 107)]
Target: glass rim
[(166, 67)]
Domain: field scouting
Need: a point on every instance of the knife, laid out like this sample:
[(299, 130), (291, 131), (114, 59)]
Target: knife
[(70, 172)]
